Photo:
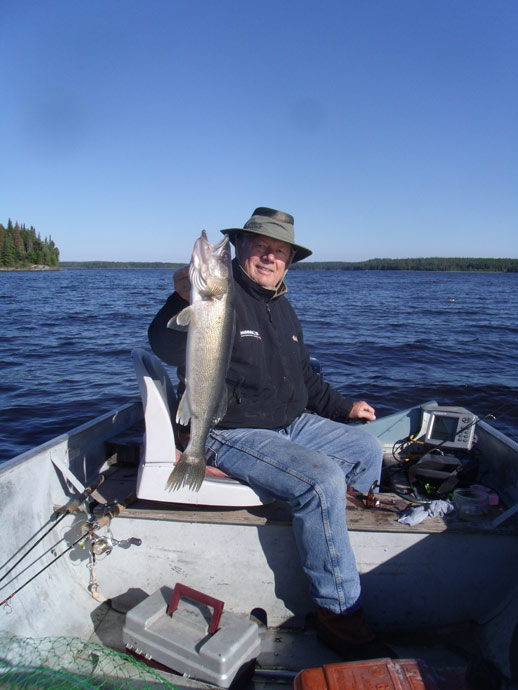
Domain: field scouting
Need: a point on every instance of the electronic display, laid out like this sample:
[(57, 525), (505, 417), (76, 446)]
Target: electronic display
[(449, 427)]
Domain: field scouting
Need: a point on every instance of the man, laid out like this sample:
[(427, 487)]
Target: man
[(283, 431)]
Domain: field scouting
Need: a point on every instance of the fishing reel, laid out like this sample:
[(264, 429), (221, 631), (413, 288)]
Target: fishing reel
[(102, 545)]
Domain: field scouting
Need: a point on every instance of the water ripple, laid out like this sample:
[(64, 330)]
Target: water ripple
[(394, 338)]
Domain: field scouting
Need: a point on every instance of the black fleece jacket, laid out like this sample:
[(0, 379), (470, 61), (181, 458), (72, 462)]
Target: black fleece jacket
[(269, 380)]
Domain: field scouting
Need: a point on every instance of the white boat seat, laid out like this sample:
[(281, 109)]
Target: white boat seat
[(160, 453)]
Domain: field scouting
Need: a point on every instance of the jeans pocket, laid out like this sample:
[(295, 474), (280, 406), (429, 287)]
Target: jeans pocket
[(211, 451)]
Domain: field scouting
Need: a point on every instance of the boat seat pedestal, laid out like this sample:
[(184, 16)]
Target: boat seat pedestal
[(160, 453)]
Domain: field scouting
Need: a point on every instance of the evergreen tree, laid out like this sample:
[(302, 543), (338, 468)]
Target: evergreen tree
[(20, 247), (9, 253), (18, 243)]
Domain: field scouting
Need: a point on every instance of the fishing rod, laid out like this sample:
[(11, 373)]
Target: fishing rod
[(489, 415), (72, 506), (56, 523), (87, 534), (399, 446), (19, 589)]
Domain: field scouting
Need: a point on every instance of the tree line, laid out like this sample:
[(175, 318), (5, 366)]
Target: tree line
[(22, 247), (120, 264), (418, 264)]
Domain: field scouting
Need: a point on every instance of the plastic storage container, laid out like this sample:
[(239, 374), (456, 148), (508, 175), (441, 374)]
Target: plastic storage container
[(177, 629), (470, 503)]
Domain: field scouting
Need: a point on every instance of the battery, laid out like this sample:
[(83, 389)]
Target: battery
[(177, 628)]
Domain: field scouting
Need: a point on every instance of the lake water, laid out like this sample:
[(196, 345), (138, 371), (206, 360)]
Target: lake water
[(392, 338)]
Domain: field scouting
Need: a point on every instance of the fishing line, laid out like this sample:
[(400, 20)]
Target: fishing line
[(72, 506), (400, 446), (16, 591), (489, 415), (33, 536), (492, 415), (56, 523), (87, 531)]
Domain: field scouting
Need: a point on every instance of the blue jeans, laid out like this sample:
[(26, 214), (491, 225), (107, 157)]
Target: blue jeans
[(310, 463)]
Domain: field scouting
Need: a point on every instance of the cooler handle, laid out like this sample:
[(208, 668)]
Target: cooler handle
[(216, 604)]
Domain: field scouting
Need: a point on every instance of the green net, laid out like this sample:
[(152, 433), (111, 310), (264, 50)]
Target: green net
[(68, 663)]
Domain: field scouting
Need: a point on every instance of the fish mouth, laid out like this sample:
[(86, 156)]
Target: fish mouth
[(206, 253), (205, 250), (210, 266)]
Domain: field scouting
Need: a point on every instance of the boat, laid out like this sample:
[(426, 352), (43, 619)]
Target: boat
[(90, 534)]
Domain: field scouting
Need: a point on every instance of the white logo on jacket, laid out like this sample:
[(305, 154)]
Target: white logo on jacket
[(251, 334)]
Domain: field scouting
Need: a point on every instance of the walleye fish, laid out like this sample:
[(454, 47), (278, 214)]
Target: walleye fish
[(210, 318)]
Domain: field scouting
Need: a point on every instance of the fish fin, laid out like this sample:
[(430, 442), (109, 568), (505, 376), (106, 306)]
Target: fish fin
[(173, 325), (183, 413), (188, 471), (185, 317), (220, 410)]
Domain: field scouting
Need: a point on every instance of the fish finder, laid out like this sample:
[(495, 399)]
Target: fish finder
[(448, 427)]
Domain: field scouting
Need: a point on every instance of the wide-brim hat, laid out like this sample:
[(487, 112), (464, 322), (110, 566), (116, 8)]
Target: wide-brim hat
[(272, 223)]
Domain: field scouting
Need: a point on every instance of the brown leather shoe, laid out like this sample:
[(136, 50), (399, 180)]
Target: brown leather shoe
[(350, 636)]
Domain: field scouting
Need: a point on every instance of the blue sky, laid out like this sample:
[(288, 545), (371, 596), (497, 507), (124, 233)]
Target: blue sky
[(388, 128)]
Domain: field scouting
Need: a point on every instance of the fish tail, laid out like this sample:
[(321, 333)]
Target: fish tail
[(188, 471)]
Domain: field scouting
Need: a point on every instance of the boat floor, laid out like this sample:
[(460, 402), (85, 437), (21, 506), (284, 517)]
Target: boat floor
[(286, 652)]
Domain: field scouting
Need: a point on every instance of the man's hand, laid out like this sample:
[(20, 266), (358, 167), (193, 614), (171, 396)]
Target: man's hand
[(182, 284), (362, 410)]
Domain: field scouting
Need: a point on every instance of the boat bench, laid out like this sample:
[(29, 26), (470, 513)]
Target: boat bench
[(139, 454), (121, 478)]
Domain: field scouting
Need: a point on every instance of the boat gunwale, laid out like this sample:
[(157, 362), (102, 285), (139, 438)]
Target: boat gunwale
[(71, 434)]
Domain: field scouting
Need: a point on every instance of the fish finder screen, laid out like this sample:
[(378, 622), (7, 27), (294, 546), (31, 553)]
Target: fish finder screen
[(451, 427), (444, 428)]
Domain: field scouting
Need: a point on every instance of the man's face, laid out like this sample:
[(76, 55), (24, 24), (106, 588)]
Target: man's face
[(264, 259)]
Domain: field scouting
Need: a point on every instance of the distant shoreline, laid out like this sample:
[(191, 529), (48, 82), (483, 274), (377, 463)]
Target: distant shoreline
[(432, 264), (19, 269), (443, 264)]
